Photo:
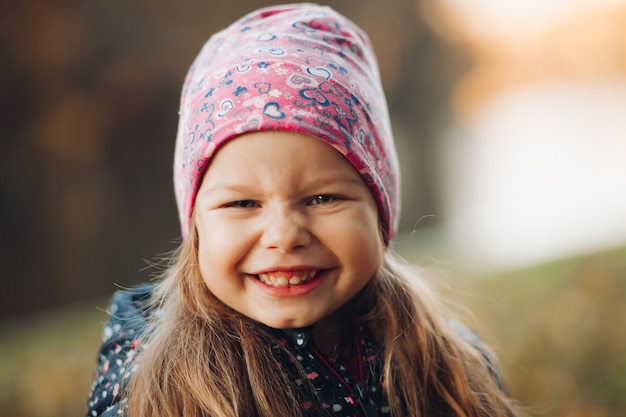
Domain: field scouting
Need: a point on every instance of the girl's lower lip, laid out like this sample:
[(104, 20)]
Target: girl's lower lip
[(293, 290)]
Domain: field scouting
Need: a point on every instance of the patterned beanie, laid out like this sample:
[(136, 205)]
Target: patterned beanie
[(300, 68)]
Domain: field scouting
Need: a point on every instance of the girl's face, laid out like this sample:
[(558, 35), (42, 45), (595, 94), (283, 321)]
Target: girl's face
[(288, 231)]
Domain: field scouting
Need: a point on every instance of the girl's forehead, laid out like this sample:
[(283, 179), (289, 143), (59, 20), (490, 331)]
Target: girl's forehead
[(278, 151)]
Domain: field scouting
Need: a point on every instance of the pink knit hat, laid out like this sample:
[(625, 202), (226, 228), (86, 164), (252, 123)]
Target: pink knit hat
[(299, 68)]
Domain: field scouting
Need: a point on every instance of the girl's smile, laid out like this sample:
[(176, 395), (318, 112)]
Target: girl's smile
[(288, 230), (287, 278), (291, 285)]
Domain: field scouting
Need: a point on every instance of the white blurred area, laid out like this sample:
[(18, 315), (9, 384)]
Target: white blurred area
[(535, 163), (541, 174)]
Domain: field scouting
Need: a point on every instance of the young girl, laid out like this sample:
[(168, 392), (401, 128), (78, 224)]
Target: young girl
[(284, 298)]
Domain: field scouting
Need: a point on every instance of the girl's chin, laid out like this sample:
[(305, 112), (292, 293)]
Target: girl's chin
[(282, 325)]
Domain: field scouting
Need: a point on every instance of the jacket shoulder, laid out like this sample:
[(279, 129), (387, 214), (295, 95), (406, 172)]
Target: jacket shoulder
[(472, 338), (128, 314)]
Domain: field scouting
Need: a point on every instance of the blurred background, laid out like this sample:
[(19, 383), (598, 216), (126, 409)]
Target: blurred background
[(509, 117)]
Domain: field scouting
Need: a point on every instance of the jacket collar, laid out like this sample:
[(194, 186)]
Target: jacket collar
[(299, 337)]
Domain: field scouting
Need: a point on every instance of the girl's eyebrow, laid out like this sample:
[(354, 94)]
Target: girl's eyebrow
[(333, 180), (316, 183), (226, 187)]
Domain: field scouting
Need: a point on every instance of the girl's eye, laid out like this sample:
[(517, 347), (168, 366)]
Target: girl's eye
[(323, 199), (241, 204)]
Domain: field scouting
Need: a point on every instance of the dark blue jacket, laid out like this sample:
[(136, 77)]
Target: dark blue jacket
[(353, 390)]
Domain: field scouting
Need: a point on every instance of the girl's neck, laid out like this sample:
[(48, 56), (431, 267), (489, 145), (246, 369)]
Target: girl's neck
[(329, 334)]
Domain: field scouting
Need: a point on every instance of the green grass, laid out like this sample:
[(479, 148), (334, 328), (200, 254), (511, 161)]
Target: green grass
[(46, 362), (560, 333)]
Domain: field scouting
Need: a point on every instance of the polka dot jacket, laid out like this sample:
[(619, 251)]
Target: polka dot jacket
[(348, 387)]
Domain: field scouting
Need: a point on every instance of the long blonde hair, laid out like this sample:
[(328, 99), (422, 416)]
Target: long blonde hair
[(201, 358)]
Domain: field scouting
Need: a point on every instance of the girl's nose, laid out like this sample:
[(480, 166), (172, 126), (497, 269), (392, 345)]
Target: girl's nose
[(286, 232)]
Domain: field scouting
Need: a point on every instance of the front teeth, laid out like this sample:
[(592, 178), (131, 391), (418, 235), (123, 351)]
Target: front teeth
[(285, 279)]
